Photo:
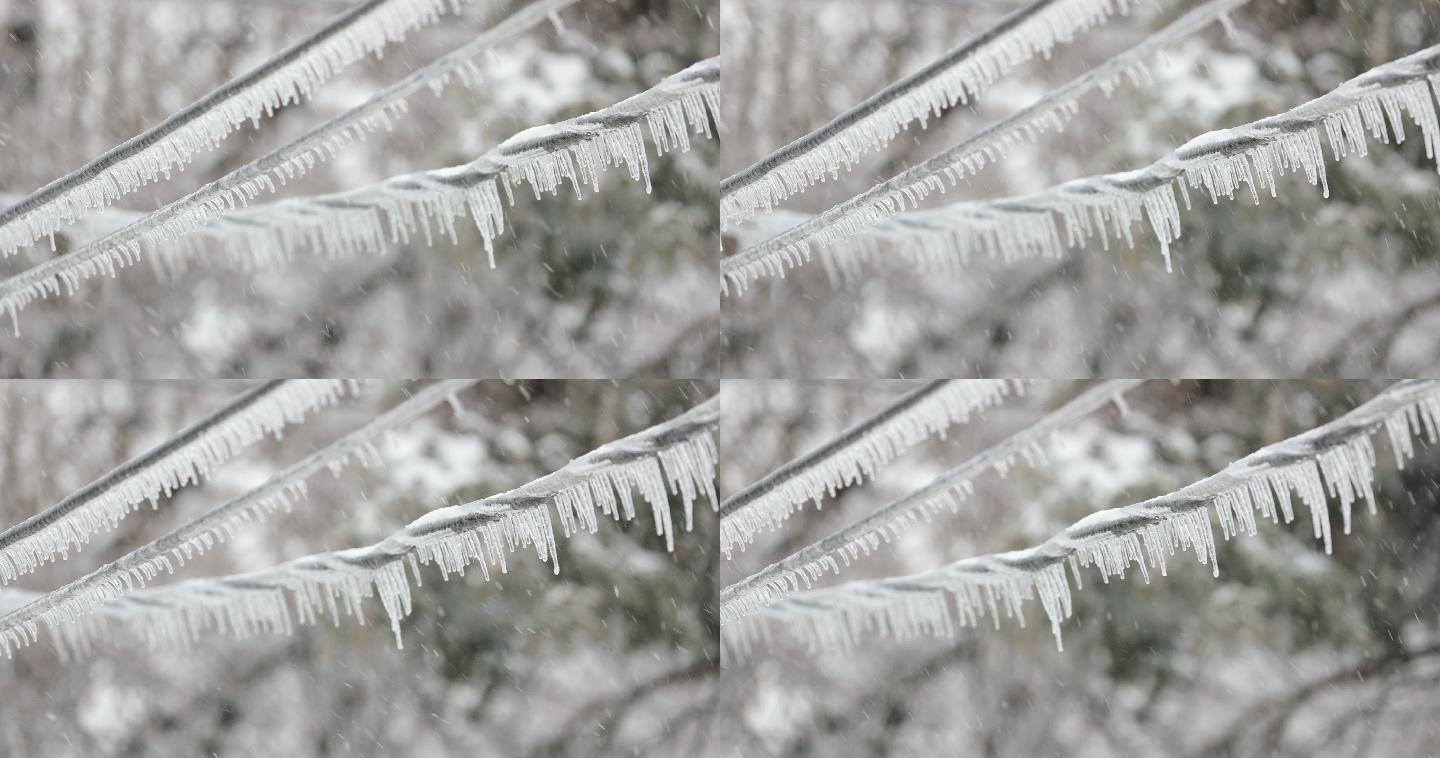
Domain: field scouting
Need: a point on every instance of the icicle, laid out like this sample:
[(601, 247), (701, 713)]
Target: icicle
[(370, 219), (859, 459), (887, 524), (186, 464), (678, 456), (957, 78), (62, 275), (289, 77), (1371, 106), (1335, 460)]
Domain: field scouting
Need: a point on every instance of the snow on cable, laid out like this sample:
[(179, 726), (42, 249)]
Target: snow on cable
[(184, 459), (163, 555), (955, 78), (125, 246), (854, 455), (1336, 459), (370, 218), (1370, 106), (290, 76), (677, 456), (802, 568)]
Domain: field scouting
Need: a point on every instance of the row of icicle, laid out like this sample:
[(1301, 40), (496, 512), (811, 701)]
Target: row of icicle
[(367, 219), (676, 458), (1335, 460), (885, 222)]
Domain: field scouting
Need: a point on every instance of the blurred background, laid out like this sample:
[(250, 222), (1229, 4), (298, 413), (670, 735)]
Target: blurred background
[(618, 284), (1298, 286), (615, 655), (1288, 652)]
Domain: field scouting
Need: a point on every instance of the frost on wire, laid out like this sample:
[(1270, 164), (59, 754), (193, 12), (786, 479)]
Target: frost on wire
[(1374, 105), (136, 569), (830, 555), (124, 247), (200, 449), (855, 455), (955, 78), (677, 456), (370, 219), (289, 77), (1335, 460)]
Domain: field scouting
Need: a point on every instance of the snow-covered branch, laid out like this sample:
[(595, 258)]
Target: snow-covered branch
[(854, 454), (368, 219), (955, 78), (803, 567), (164, 554), (1370, 106), (288, 77), (1336, 459), (126, 245), (184, 459), (675, 456)]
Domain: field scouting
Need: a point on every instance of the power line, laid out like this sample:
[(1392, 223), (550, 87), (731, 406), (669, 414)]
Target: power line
[(239, 187), (890, 197), (1337, 458), (674, 456), (184, 458), (138, 567), (853, 454), (863, 536), (286, 77)]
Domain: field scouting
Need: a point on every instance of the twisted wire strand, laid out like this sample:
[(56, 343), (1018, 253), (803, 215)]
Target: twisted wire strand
[(1052, 111), (955, 78), (125, 246), (288, 77), (854, 454), (137, 568), (1370, 106), (1336, 459), (185, 458), (367, 219), (676, 456), (862, 537)]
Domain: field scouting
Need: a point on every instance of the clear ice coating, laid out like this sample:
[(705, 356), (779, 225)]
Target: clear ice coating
[(675, 457), (289, 77), (185, 465), (1335, 460), (830, 555), (859, 458), (162, 556), (124, 247), (1374, 105), (958, 77), (427, 204)]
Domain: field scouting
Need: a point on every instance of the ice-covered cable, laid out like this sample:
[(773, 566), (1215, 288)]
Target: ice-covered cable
[(370, 218), (677, 456), (1335, 460), (177, 219), (183, 459), (1052, 111), (1373, 105), (955, 78), (854, 454), (288, 77), (802, 568), (163, 555)]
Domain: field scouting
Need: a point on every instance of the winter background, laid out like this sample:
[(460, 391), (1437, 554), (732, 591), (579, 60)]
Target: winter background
[(1298, 286), (620, 283), (616, 654), (1288, 652)]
